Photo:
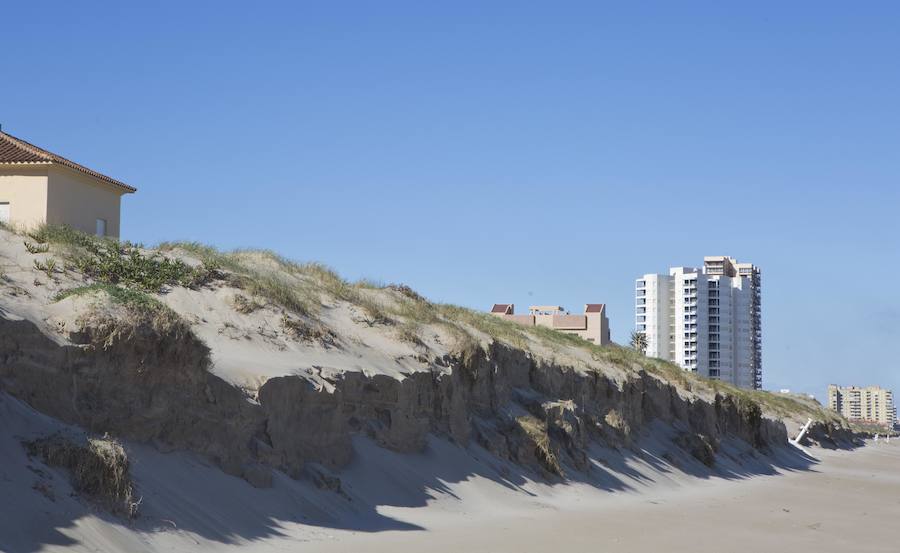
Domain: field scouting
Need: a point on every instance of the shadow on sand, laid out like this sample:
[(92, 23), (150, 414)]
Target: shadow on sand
[(182, 493)]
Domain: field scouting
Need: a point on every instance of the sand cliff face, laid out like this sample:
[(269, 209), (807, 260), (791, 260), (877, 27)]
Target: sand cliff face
[(283, 374), (154, 386)]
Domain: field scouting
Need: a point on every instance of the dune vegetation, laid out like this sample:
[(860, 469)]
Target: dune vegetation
[(136, 276)]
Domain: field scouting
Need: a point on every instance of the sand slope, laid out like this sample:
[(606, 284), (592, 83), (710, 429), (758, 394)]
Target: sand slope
[(453, 499)]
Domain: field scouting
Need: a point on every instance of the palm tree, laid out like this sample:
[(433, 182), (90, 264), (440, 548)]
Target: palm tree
[(639, 341)]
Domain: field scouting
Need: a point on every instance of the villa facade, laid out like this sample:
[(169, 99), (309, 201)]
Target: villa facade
[(39, 187), (592, 325)]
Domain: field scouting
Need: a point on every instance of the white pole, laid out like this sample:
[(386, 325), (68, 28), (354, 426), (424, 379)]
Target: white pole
[(803, 430)]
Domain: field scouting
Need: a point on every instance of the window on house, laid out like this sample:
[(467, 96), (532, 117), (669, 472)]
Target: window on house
[(4, 212), (101, 227)]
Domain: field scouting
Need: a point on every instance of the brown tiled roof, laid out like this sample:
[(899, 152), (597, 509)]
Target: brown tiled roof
[(501, 308), (16, 151), (593, 308)]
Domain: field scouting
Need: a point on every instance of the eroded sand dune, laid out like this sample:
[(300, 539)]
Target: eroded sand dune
[(264, 403), (450, 499)]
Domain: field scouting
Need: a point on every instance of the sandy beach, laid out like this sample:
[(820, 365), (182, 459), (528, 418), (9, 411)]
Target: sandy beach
[(450, 499), (849, 501)]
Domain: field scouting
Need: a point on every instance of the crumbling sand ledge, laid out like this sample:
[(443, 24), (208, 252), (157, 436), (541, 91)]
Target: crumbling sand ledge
[(156, 388)]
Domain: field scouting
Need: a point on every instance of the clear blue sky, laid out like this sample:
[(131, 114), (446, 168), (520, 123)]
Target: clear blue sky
[(504, 151)]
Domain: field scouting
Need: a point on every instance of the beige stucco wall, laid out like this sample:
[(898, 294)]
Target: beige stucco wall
[(569, 322), (598, 328), (78, 201), (527, 320), (25, 188)]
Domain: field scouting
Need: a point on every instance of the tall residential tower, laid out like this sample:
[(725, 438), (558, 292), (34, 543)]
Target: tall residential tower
[(705, 319)]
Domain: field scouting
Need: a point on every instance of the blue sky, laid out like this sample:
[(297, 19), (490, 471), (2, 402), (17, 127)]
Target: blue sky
[(504, 151)]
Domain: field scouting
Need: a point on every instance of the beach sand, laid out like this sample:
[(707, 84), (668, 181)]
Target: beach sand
[(452, 499), (848, 502)]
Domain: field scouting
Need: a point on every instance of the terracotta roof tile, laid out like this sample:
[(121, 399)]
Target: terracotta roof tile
[(16, 151)]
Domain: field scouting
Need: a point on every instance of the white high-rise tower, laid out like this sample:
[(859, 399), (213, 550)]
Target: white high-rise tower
[(705, 319)]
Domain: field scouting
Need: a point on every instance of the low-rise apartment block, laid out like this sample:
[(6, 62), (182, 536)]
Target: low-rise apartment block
[(871, 404), (593, 325)]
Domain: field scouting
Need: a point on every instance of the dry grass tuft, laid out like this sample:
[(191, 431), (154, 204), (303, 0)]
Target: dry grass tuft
[(536, 432), (498, 329), (374, 311), (261, 273), (406, 291), (143, 314), (99, 469), (305, 332), (409, 332), (244, 305), (36, 248), (699, 446)]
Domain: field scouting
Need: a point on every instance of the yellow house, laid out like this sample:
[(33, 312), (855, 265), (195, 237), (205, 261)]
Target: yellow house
[(38, 187)]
